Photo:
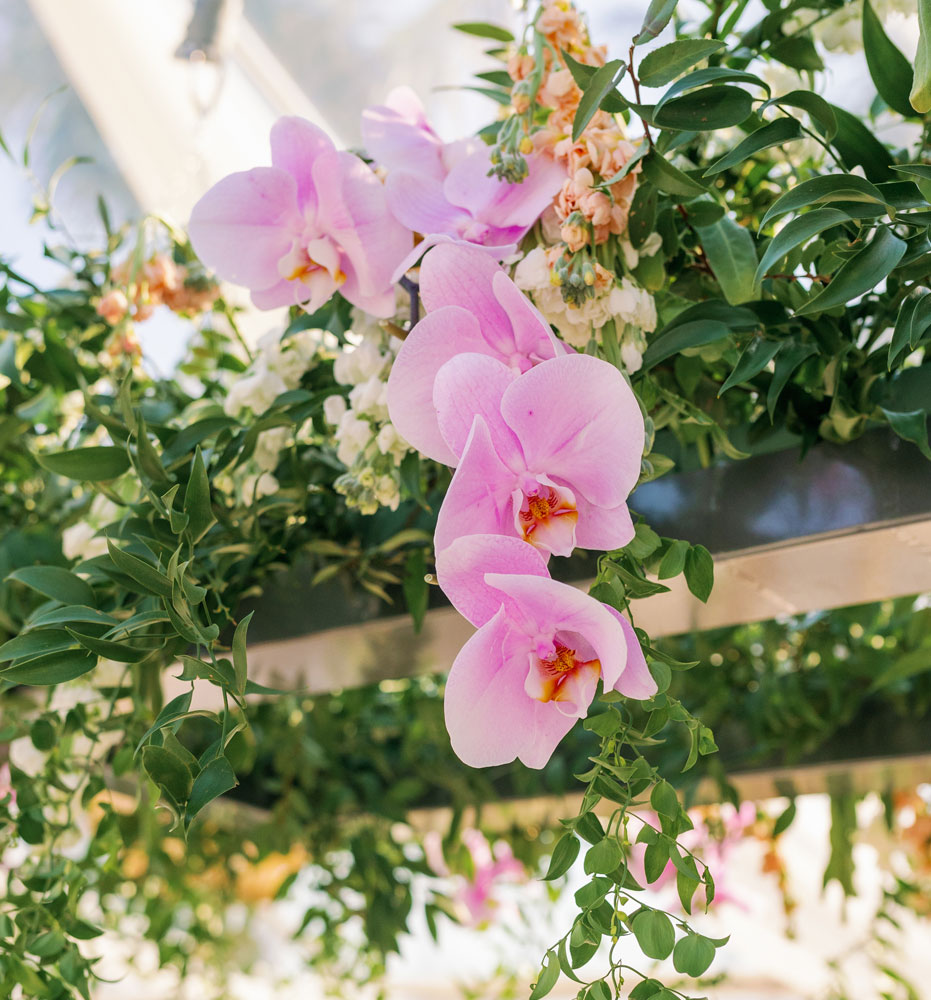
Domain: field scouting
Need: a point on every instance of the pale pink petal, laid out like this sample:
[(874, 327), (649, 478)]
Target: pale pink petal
[(636, 681), (497, 202), (545, 606), (381, 304), (533, 336), (578, 421), (602, 528), (418, 203), (470, 385), (354, 211), (495, 252), (285, 293), (296, 143), (478, 500), (439, 336), (456, 275), (462, 566), (488, 714), (245, 224), (396, 136), (577, 692)]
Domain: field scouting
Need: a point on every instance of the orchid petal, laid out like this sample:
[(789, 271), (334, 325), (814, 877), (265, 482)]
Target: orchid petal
[(602, 529), (462, 566), (245, 224), (533, 336), (417, 202), (457, 275), (433, 239), (488, 714), (545, 606), (578, 420), (439, 336), (478, 501), (396, 135), (470, 385), (296, 143), (285, 293), (636, 681)]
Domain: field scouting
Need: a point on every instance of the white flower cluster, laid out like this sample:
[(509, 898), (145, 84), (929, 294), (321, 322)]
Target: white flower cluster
[(631, 308), (366, 441), (842, 31)]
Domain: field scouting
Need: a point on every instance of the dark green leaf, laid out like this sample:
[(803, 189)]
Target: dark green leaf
[(654, 933), (239, 653), (673, 562), (32, 644), (658, 15), (699, 572), (109, 650), (859, 147), (706, 109), (785, 819), (692, 955), (820, 112), (197, 500), (859, 274), (889, 69), (796, 232), (663, 65), (820, 190), (788, 359), (911, 426), (70, 614), (55, 583), (177, 709), (602, 83), (214, 780), (797, 51), (703, 77), (168, 772), (604, 856), (679, 338), (730, 250), (549, 974), (775, 133), (55, 668), (97, 464), (669, 179), (664, 800), (754, 358), (152, 580), (564, 854)]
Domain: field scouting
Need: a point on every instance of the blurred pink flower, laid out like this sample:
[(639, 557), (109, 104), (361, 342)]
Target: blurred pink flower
[(314, 222), (531, 670), (438, 188), (472, 306), (549, 456)]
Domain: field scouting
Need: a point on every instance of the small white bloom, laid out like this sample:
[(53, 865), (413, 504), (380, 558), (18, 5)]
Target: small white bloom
[(352, 437), (258, 486), (651, 245), (333, 409), (370, 398), (256, 391), (387, 492), (268, 446), (631, 356)]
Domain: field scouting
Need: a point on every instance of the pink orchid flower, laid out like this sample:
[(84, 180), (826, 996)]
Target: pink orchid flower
[(314, 222), (549, 456), (531, 670), (472, 306), (444, 188)]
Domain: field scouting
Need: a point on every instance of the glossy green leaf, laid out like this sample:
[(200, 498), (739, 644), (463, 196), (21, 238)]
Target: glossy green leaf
[(663, 65), (604, 856), (693, 334), (706, 109), (55, 668), (859, 274), (602, 83), (70, 614), (98, 464), (703, 77), (664, 800), (548, 977), (911, 426), (775, 133), (787, 361), (797, 51), (197, 500), (37, 643), (699, 572), (889, 69), (109, 650), (168, 772), (796, 232), (822, 190), (753, 359), (177, 709), (669, 179), (214, 780), (859, 147), (152, 580), (673, 562), (654, 933), (658, 15), (55, 583), (731, 252), (818, 109), (564, 854), (692, 955)]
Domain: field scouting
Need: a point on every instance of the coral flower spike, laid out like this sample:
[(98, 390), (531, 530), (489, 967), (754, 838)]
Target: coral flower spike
[(531, 670), (549, 456), (472, 306), (314, 222)]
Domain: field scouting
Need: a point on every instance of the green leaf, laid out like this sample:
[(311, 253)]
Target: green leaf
[(818, 109), (110, 650), (673, 562), (663, 65), (32, 644), (706, 109), (176, 710), (482, 30), (796, 232), (658, 15), (603, 724), (239, 653), (731, 252), (168, 772), (55, 668), (679, 338), (654, 933), (797, 51), (197, 500), (775, 133), (911, 426), (859, 274), (647, 990), (669, 179), (564, 854), (55, 583), (703, 77), (152, 580), (858, 147), (214, 780), (692, 955), (788, 359), (602, 83), (655, 859), (699, 572), (599, 991), (549, 974), (686, 887), (820, 190), (664, 800), (889, 69), (70, 614), (785, 819), (754, 358), (98, 464), (604, 856)]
